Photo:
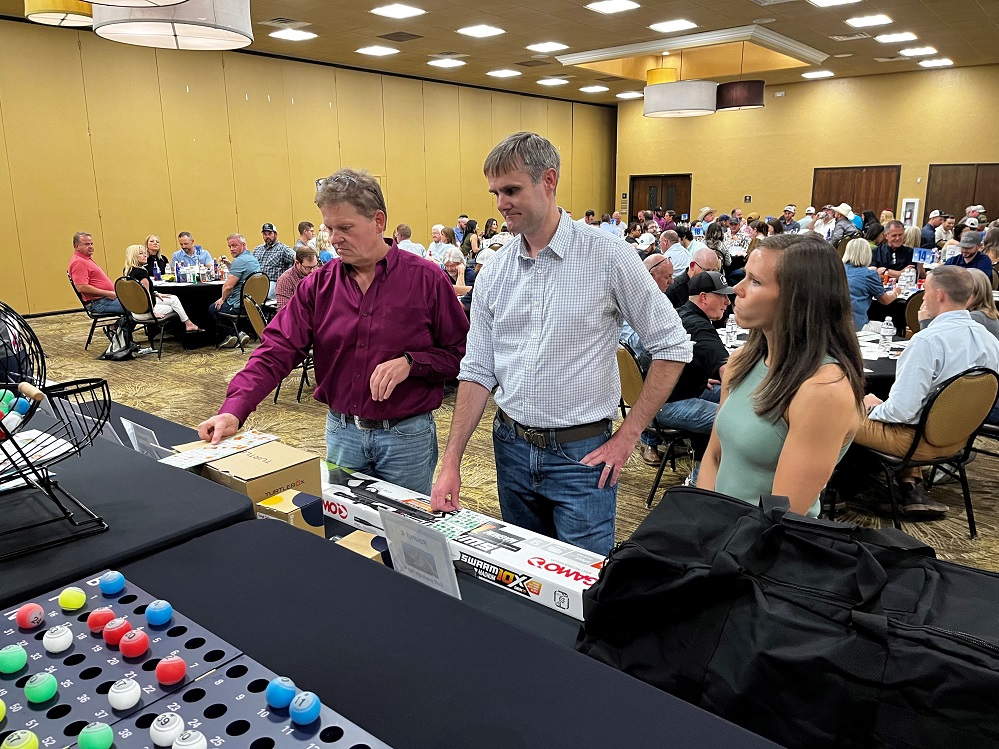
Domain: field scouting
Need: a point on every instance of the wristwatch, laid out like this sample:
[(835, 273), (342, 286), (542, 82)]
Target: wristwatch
[(409, 359)]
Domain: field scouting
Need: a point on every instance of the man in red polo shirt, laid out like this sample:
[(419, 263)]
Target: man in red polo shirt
[(90, 280)]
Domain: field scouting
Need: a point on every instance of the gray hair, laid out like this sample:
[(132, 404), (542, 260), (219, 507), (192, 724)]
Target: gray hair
[(858, 252), (893, 224), (527, 151), (453, 255), (355, 187), (240, 237)]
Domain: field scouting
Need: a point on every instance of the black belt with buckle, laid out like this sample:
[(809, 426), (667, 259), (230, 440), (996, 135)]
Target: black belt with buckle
[(545, 438), (368, 424)]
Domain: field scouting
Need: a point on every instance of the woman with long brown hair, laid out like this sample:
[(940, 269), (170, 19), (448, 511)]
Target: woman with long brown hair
[(792, 397)]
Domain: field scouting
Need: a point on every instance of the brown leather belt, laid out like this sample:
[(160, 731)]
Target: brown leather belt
[(545, 438), (368, 424)]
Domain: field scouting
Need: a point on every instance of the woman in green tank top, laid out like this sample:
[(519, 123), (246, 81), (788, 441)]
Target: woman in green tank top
[(792, 397)]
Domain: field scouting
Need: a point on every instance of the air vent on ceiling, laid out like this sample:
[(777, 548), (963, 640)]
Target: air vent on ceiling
[(532, 63), (766, 3), (611, 79), (400, 36), (284, 23), (850, 37), (891, 59), (448, 55)]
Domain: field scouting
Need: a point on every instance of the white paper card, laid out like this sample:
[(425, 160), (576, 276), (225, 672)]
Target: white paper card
[(420, 552)]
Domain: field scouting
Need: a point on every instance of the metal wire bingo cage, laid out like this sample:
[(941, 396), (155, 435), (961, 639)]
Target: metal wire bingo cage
[(35, 512)]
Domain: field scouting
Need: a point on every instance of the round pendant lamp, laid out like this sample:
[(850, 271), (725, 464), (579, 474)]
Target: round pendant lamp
[(681, 99), (58, 12), (193, 24), (741, 95)]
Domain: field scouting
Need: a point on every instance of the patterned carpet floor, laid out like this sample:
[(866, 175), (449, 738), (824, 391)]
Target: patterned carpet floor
[(188, 387)]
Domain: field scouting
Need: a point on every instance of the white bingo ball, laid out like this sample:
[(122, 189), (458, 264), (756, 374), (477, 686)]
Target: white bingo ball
[(191, 740), (124, 694), (166, 728), (57, 638)]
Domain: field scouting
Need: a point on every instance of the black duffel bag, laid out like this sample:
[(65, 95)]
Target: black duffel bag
[(811, 633)]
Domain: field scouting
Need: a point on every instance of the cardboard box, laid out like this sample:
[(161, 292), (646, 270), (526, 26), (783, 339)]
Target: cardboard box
[(267, 470), (536, 567), (296, 508), (365, 544)]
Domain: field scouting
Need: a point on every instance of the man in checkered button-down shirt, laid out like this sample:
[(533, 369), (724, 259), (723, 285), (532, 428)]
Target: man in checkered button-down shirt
[(274, 257), (545, 321)]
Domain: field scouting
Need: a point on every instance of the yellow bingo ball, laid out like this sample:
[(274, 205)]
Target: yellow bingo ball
[(20, 740), (72, 599), (3, 710)]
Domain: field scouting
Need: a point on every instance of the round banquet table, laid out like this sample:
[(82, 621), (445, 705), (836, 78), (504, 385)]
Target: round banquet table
[(196, 298)]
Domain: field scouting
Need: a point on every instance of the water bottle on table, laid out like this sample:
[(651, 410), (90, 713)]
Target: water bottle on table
[(731, 331), (887, 335)]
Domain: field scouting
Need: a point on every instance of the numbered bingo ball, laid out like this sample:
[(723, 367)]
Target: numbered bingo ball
[(191, 740), (115, 629), (95, 735), (41, 687), (280, 692), (134, 643), (57, 639), (304, 709), (171, 670), (124, 694), (158, 613), (99, 619), (165, 729), (12, 659), (29, 616), (20, 740), (111, 583), (72, 599)]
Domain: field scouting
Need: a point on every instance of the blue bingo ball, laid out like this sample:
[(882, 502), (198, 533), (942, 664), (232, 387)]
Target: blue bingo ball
[(111, 583), (280, 692), (158, 612), (304, 709), (22, 406)]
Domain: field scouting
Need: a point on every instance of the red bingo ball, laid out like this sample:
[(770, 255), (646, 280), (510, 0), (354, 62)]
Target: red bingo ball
[(115, 629), (171, 670), (134, 643), (99, 618), (29, 616)]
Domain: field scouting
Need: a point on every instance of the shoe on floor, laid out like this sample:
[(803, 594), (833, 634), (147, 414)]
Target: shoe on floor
[(229, 342), (243, 338), (916, 505), (650, 455)]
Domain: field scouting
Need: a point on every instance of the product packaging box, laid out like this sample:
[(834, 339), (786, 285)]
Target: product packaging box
[(527, 564), (295, 508), (267, 470), (366, 544)]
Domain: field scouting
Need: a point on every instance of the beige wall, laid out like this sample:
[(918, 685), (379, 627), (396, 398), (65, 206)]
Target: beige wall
[(912, 119), (126, 141)]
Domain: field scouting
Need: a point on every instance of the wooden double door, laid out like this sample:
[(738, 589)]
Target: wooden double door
[(953, 187), (863, 188), (669, 191)]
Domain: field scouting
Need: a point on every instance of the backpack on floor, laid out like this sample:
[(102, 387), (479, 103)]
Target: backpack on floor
[(121, 346), (811, 633)]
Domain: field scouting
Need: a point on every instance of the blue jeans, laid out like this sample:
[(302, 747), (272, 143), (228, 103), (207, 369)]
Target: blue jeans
[(105, 306), (226, 324), (693, 414), (548, 491), (993, 417), (405, 455)]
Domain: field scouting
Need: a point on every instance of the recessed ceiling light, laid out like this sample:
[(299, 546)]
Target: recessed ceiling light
[(504, 73), (552, 82), (613, 6), (939, 62), (764, 20), (630, 95), (844, 54), (447, 62), (904, 36), (831, 3), (594, 89), (376, 51), (481, 31), (398, 10), (861, 22), (547, 47), (293, 35), (677, 25), (918, 51), (818, 74), (666, 53)]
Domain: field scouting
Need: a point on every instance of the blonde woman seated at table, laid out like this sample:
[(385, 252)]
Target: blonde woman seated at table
[(153, 255), (864, 282), (163, 304), (792, 397)]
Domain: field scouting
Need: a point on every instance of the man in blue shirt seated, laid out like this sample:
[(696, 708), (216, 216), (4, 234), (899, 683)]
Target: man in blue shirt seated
[(244, 264), (189, 252), (971, 256), (892, 257)]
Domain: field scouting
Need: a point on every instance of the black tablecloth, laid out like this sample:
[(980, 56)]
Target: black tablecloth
[(895, 310), (148, 506), (196, 299), (414, 667), (168, 433)]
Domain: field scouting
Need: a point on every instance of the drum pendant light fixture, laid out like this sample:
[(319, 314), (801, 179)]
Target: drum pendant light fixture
[(741, 94), (192, 24), (667, 96), (58, 12)]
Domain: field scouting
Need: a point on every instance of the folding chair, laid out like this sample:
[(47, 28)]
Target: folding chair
[(256, 316), (138, 304), (96, 317)]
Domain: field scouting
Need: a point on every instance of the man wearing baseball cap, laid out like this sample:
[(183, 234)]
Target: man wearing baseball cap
[(645, 241), (806, 223), (790, 225), (274, 257), (928, 234), (970, 255)]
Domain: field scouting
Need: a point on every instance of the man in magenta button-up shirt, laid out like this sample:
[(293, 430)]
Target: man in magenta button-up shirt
[(386, 331)]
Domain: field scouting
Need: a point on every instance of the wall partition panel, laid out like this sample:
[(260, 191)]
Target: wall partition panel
[(560, 134), (476, 141), (443, 158), (361, 120), (404, 156), (12, 288)]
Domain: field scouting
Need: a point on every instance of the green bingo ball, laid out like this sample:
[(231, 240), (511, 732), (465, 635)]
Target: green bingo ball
[(20, 740), (96, 736), (41, 687), (12, 659)]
